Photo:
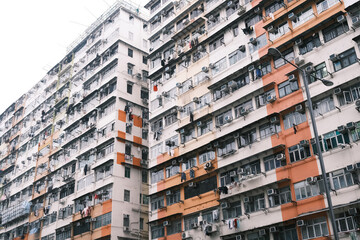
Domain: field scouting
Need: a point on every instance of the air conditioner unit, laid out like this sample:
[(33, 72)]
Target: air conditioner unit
[(166, 223), (341, 19), (298, 41), (274, 119), (334, 57), (236, 135), (196, 100), (304, 143), (271, 192), (337, 91), (352, 211), (300, 223), (273, 229), (181, 109), (212, 66), (309, 69), (239, 237), (208, 166), (169, 192), (299, 61), (257, 10), (357, 165), (228, 119), (292, 78), (280, 157), (292, 16), (311, 180), (350, 125), (194, 225), (233, 173), (271, 29), (173, 162), (251, 68), (192, 184), (350, 168), (342, 129), (356, 22), (185, 235), (210, 228), (262, 232), (253, 41), (205, 69), (224, 205), (247, 199), (126, 229), (270, 98), (299, 108), (241, 10), (244, 111)]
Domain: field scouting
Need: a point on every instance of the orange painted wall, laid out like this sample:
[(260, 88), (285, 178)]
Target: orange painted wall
[(122, 116), (137, 121)]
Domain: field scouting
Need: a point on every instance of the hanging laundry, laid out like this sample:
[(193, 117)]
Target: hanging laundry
[(85, 169), (258, 73), (172, 152), (183, 176), (162, 62), (126, 108), (235, 223), (215, 214), (155, 88), (191, 116), (223, 189), (272, 16), (96, 196), (192, 173)]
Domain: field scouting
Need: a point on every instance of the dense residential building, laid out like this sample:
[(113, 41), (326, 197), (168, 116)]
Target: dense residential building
[(74, 147), (232, 153)]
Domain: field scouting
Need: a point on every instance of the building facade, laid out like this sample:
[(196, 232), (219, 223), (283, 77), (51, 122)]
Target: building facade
[(232, 151), (74, 147)]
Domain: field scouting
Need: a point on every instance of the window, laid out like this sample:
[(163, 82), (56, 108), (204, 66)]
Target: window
[(174, 227), (203, 101), (226, 148), (342, 179), (315, 228), (186, 86), (155, 62), (293, 118), (283, 196), (287, 87), (157, 176), (130, 52), (156, 150), (200, 77), (271, 162), (345, 59), (157, 203), (309, 44), (273, 7), (156, 103), (286, 233), (144, 93), (355, 133), (323, 106), (144, 176), (349, 95), (172, 170), (344, 222), (303, 17), (187, 109), (204, 128), (254, 203), (281, 30), (157, 231), (189, 163), (173, 143), (334, 138), (261, 41), (189, 220), (223, 118), (252, 20), (269, 129), (245, 106), (304, 190), (235, 30), (233, 211), (127, 172), (126, 220), (126, 195), (216, 43), (141, 224), (288, 54), (228, 177), (170, 119), (188, 135), (320, 71), (129, 88), (247, 138), (261, 100), (236, 56), (144, 60), (173, 198), (334, 30), (214, 21), (298, 153), (201, 187), (219, 66), (324, 5)]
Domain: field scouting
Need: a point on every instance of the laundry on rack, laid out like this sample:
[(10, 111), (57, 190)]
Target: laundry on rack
[(183, 176), (215, 214), (192, 173)]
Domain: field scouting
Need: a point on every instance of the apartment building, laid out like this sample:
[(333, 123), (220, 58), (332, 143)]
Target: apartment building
[(232, 151), (74, 147)]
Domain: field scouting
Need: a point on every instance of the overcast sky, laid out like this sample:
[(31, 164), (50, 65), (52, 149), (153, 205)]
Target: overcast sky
[(34, 37)]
